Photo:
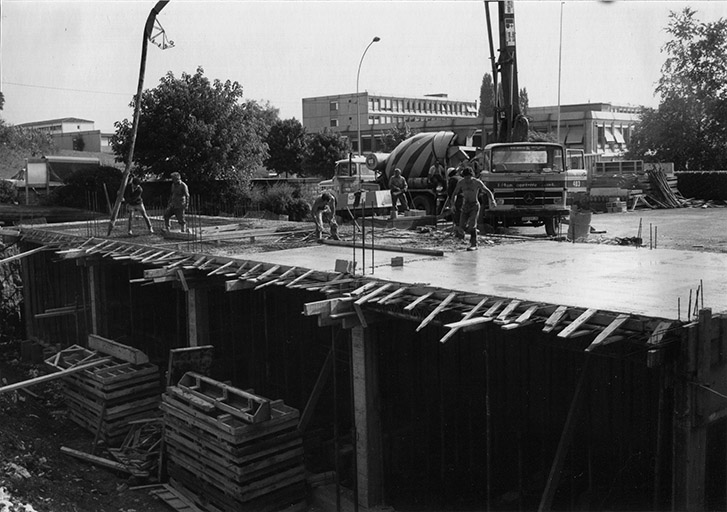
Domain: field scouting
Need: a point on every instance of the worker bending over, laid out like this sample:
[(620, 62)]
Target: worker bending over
[(324, 210), (470, 188)]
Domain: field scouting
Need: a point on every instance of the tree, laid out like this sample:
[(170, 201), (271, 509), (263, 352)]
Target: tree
[(396, 135), (286, 142), (17, 144), (198, 128), (322, 150), (689, 127), (487, 97), (524, 101)]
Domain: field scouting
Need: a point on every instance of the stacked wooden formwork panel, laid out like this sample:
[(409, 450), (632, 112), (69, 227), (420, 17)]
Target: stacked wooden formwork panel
[(228, 449), (104, 399)]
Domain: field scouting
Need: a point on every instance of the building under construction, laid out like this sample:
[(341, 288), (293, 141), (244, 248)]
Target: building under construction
[(526, 375)]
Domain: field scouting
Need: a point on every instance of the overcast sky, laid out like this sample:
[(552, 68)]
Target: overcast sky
[(81, 58)]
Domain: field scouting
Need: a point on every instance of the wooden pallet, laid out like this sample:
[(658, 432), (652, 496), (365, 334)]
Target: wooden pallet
[(172, 497)]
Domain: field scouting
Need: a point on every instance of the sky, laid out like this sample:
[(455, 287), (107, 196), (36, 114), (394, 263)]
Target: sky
[(81, 58)]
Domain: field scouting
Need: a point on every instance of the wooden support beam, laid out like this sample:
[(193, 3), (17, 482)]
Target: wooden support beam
[(299, 278), (602, 338), (418, 301), (152, 256), (253, 269), (384, 300), (116, 349), (373, 294), (502, 317), (277, 279), (554, 318), (182, 280), (315, 394), (53, 312), (237, 284), (53, 376), (268, 272), (566, 437), (23, 254), (659, 331), (221, 268), (361, 289), (467, 316), (436, 311), (523, 319), (575, 324), (100, 461)]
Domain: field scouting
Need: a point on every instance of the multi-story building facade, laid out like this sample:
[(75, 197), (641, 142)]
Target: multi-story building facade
[(73, 133), (377, 113), (602, 129)]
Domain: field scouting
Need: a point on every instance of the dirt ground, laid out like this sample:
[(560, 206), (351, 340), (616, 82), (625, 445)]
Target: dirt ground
[(36, 476)]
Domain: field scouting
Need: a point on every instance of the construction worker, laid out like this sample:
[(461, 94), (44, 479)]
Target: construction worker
[(324, 210), (470, 188), (178, 201), (136, 204), (436, 176), (455, 202), (398, 188)]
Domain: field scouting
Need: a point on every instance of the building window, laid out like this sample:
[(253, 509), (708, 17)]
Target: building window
[(334, 123), (334, 106)]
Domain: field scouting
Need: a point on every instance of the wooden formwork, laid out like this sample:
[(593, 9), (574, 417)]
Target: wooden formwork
[(228, 449)]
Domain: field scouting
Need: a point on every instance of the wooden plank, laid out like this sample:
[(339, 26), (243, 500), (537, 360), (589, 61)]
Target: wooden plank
[(490, 313), (502, 317), (418, 301), (601, 339), (467, 316), (554, 318), (523, 319), (52, 376), (269, 271), (373, 294), (436, 311), (23, 254), (575, 324), (391, 248), (99, 461), (116, 349), (221, 268), (299, 278), (277, 279), (391, 296), (182, 279)]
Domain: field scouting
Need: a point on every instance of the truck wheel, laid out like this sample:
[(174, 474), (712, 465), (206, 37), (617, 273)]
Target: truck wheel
[(552, 225), (425, 203)]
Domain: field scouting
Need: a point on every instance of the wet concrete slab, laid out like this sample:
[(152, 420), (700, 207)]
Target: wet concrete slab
[(654, 283)]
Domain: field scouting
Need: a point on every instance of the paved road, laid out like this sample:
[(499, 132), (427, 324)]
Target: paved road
[(694, 229)]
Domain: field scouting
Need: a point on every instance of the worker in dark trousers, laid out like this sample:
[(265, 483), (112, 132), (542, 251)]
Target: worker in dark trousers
[(398, 188), (136, 204), (470, 188), (324, 210), (455, 202), (178, 202)]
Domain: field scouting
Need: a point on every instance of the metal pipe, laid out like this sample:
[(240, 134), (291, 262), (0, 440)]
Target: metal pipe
[(137, 110)]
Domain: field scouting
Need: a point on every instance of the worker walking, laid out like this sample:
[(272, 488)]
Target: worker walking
[(398, 188), (136, 203), (178, 202), (324, 210), (470, 188)]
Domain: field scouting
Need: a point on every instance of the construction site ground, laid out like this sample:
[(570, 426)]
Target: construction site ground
[(36, 475)]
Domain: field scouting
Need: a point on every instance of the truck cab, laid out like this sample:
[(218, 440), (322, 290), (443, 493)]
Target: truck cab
[(354, 184), (531, 182)]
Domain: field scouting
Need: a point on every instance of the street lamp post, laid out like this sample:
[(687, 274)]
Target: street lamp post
[(358, 108)]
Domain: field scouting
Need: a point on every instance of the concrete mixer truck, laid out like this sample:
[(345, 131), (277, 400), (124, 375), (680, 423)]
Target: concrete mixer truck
[(530, 180)]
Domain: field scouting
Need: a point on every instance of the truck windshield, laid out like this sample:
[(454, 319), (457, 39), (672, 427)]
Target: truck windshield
[(535, 158), (346, 169)]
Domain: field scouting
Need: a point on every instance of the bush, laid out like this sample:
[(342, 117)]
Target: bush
[(298, 209), (277, 198), (8, 193), (85, 188)]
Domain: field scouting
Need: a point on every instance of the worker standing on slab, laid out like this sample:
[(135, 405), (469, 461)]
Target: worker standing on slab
[(178, 201), (398, 188), (470, 188), (136, 203), (324, 210), (455, 202)]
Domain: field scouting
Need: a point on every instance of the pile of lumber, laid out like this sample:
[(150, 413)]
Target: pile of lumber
[(106, 397), (662, 191), (228, 449)]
